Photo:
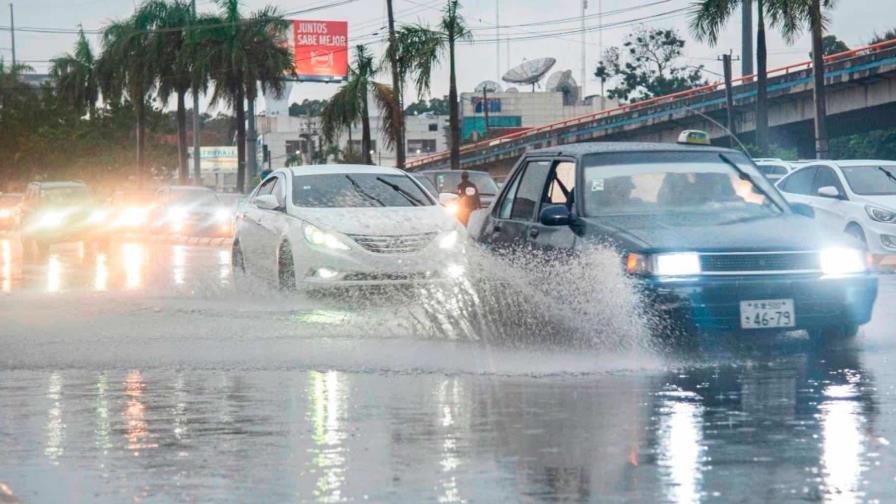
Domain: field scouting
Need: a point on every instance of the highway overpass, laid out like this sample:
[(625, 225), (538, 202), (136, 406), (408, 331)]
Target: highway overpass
[(861, 86)]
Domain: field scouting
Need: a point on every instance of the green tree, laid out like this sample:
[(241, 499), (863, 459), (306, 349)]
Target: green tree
[(241, 53), (75, 76), (830, 44), (887, 35), (423, 48), (307, 108), (647, 65), (350, 105), (125, 70), (438, 106)]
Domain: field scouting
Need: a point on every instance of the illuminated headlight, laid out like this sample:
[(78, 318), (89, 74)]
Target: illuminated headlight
[(5, 213), (320, 238), (448, 241), (51, 219), (177, 214), (665, 264), (880, 214), (842, 261), (326, 274), (98, 216), (452, 208), (223, 214)]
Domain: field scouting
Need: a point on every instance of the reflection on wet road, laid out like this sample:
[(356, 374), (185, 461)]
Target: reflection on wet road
[(136, 373)]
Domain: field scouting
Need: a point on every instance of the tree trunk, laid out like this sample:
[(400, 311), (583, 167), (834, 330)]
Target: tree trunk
[(453, 112), (396, 90), (251, 143), (240, 112), (365, 131), (183, 168), (821, 130), (140, 106), (761, 85)]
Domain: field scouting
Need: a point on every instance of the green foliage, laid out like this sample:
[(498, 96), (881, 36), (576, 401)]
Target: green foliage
[(773, 151), (307, 108), (438, 106), (830, 44), (878, 144), (885, 36), (647, 65)]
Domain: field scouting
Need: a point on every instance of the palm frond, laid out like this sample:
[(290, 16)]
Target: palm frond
[(709, 16), (390, 110)]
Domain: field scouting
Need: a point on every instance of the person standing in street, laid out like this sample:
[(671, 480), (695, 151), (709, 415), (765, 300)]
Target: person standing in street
[(468, 198)]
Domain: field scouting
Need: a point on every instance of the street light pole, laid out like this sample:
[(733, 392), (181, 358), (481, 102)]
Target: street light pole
[(197, 167)]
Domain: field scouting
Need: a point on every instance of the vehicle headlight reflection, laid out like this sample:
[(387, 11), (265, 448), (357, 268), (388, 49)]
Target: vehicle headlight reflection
[(842, 261), (51, 219), (320, 238)]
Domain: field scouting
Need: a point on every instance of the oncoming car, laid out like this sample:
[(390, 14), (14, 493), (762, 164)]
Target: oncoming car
[(345, 225), (9, 210), (56, 212), (710, 243), (446, 181), (191, 211)]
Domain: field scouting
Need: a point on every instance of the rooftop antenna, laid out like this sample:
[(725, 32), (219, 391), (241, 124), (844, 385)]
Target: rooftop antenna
[(529, 72)]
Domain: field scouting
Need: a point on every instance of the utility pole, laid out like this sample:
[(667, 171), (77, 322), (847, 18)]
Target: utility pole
[(497, 41), (584, 70), (197, 163), (251, 144), (12, 36), (485, 107), (729, 98), (746, 34), (396, 88)]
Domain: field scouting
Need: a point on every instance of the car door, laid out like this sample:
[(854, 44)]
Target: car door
[(558, 191), (515, 213), (272, 223), (832, 213), (797, 187), (256, 253)]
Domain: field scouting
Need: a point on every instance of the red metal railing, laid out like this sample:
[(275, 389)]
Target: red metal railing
[(622, 109)]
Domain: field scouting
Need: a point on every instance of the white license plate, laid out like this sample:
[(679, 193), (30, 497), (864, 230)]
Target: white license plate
[(767, 314)]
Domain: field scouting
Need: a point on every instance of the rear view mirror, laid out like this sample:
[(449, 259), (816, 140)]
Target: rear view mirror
[(446, 197), (556, 215), (267, 202), (803, 209), (829, 192)]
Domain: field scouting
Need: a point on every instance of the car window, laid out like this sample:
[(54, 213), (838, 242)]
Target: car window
[(800, 181), (876, 180), (507, 202), (561, 184), (279, 190), (825, 177), (773, 170), (267, 187), (530, 189), (447, 182)]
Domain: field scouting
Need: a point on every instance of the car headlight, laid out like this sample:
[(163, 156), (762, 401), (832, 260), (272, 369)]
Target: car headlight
[(321, 238), (51, 219), (880, 214), (177, 214), (5, 213), (98, 216), (223, 214), (842, 261), (663, 264), (449, 240)]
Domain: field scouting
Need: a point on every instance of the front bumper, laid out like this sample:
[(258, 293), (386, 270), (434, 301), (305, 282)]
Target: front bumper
[(875, 233), (713, 303)]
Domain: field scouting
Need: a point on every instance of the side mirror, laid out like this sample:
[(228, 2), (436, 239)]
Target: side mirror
[(803, 209), (447, 197), (829, 192), (267, 202), (556, 215)]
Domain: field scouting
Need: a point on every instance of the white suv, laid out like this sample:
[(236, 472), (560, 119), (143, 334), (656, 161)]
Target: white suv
[(857, 197)]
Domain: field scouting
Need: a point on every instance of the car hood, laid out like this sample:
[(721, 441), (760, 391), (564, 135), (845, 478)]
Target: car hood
[(388, 221), (886, 201), (786, 232)]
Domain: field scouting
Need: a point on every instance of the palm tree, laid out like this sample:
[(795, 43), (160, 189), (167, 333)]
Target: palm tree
[(397, 86), (240, 52), (794, 16), (707, 19), (422, 48), (350, 104), (74, 75), (125, 71)]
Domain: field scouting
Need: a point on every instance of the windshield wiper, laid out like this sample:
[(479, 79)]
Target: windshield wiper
[(888, 173), (408, 196), (357, 187), (744, 175)]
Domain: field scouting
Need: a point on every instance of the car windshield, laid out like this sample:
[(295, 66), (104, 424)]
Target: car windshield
[(871, 180), (426, 183), (447, 182), (697, 186), (194, 197), (349, 190), (64, 194)]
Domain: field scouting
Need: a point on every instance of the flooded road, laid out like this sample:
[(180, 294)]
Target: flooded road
[(140, 373)]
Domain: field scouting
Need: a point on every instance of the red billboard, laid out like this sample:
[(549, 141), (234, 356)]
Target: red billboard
[(320, 49)]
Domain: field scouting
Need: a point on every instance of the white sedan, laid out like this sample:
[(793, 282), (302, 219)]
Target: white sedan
[(857, 197), (345, 225)]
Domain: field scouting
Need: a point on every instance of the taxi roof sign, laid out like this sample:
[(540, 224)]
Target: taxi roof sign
[(693, 137)]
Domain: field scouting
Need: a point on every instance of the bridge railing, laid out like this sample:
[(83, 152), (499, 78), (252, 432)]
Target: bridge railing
[(623, 109)]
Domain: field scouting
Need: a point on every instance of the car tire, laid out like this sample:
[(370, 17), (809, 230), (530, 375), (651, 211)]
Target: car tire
[(286, 271), (237, 260), (858, 233)]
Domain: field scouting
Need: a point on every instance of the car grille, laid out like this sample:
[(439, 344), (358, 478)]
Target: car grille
[(398, 244), (761, 262)]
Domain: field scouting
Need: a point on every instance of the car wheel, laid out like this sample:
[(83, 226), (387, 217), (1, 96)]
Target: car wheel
[(237, 261), (286, 271), (856, 232)]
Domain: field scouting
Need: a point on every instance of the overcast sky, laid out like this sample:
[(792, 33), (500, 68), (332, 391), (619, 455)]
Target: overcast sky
[(854, 21)]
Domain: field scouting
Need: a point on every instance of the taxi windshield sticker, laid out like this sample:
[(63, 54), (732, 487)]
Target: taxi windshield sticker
[(597, 185)]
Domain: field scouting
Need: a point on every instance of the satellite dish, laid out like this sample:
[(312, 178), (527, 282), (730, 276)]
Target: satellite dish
[(489, 86), (562, 82), (511, 90), (529, 72)]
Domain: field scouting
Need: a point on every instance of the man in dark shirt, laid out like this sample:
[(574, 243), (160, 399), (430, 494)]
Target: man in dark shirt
[(467, 197)]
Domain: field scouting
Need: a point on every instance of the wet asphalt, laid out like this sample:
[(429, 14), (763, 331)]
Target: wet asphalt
[(140, 373)]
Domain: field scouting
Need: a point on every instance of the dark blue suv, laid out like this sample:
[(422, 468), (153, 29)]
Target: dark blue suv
[(711, 242)]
